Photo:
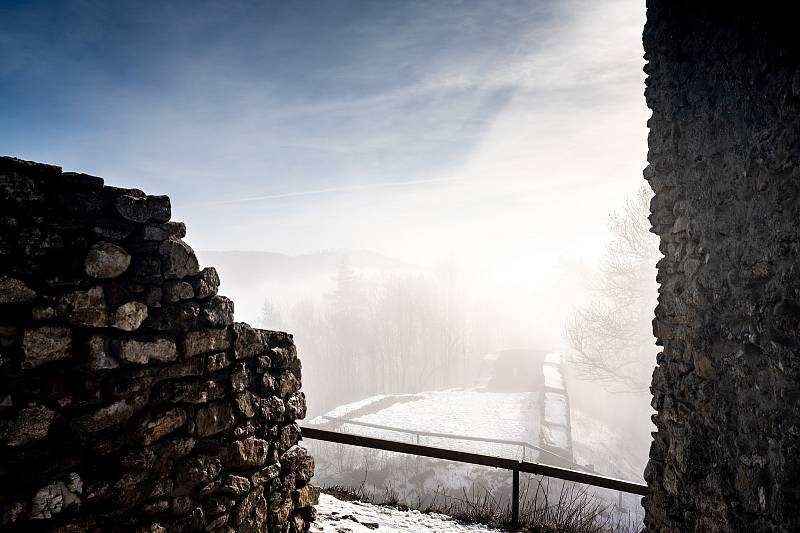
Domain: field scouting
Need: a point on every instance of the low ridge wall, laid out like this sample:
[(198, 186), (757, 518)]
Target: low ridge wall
[(129, 398)]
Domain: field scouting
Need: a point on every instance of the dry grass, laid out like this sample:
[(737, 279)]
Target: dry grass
[(570, 508)]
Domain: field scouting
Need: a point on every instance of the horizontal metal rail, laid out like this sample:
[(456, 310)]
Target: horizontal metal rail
[(476, 459), (445, 435)]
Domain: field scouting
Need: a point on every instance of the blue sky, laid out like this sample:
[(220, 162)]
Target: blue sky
[(306, 82), (417, 129)]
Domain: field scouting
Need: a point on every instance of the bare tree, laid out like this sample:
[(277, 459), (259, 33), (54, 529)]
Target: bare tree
[(350, 337), (270, 317), (420, 341), (612, 336)]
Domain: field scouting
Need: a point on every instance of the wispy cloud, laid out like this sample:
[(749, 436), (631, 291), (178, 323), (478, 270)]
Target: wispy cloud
[(497, 131), (332, 190)]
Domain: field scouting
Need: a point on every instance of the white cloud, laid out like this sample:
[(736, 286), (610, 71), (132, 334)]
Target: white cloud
[(539, 183)]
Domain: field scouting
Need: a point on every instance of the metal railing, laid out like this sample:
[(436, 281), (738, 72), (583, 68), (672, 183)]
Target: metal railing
[(515, 466), (432, 434)]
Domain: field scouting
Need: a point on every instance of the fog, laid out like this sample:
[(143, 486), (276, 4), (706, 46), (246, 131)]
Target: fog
[(430, 196), (415, 282), (445, 287), (368, 324)]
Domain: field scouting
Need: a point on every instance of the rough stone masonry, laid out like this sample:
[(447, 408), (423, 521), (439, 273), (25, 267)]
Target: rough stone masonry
[(129, 398), (724, 87)]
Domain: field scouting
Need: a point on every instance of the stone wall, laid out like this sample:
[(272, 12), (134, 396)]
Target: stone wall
[(724, 87), (129, 399)]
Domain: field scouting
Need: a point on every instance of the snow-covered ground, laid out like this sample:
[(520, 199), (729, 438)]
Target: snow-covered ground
[(477, 413), (346, 409), (608, 452), (552, 377), (504, 416), (493, 415), (473, 413), (337, 516)]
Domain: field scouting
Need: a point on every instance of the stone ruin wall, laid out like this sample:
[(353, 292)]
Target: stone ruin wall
[(129, 398), (724, 88)]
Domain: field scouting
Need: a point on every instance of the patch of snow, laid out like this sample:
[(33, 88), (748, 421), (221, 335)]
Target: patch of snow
[(336, 516), (555, 409), (493, 415), (552, 377), (505, 416), (344, 410), (555, 436), (605, 450), (553, 358)]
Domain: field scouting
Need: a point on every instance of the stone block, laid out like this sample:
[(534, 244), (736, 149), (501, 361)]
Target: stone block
[(112, 228), (296, 407), (143, 209), (106, 260), (246, 507), (129, 316), (240, 378), (201, 391), (177, 259), (13, 290), (282, 357), (182, 316), (216, 362), (217, 417), (247, 403), (236, 485), (154, 425), (84, 308), (205, 340), (307, 496), (109, 416), (162, 350), (99, 350), (250, 452), (216, 312), (206, 284), (162, 232), (175, 291), (249, 342), (46, 344), (145, 269), (32, 424)]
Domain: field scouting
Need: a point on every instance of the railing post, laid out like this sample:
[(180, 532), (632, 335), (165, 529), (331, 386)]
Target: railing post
[(515, 497)]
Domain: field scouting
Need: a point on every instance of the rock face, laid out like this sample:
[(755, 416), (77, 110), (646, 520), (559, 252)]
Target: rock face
[(724, 87), (129, 398)]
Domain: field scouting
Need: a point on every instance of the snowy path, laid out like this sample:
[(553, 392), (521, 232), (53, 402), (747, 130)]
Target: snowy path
[(337, 516)]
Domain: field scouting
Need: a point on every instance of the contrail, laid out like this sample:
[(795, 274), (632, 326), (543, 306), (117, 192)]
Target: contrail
[(352, 188)]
